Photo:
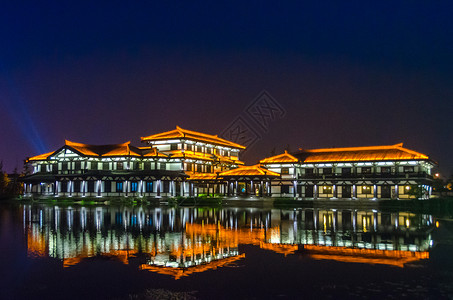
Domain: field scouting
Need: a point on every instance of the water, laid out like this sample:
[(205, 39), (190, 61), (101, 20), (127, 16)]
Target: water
[(123, 252)]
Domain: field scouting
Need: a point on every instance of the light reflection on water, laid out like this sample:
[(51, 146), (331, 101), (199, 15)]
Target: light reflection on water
[(180, 242)]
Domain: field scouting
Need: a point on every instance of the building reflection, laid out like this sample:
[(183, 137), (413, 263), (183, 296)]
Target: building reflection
[(180, 242)]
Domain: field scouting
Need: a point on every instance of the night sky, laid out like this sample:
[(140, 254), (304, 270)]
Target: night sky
[(346, 73)]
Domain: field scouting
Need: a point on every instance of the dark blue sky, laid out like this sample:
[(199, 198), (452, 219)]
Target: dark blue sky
[(348, 74)]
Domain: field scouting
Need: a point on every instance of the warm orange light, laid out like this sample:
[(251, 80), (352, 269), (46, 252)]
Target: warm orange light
[(255, 170), (281, 158), (437, 224), (191, 135)]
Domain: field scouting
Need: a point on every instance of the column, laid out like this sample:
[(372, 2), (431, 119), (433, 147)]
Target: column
[(236, 188), (261, 188), (173, 188), (56, 186), (396, 192), (83, 188), (375, 191), (182, 188), (158, 183), (334, 190), (70, 187), (354, 191), (294, 188), (315, 191)]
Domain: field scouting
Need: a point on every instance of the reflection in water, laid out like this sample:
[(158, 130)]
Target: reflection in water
[(179, 242)]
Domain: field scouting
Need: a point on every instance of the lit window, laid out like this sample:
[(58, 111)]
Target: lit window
[(285, 171), (119, 186), (408, 169), (134, 186), (366, 189), (327, 189), (407, 189), (149, 186)]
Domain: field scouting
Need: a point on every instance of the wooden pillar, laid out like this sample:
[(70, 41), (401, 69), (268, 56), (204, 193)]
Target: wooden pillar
[(294, 188)]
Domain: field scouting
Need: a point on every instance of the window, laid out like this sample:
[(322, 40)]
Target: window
[(119, 186), (146, 165), (407, 189), (346, 171), (285, 171), (208, 169), (309, 171), (366, 189), (149, 187), (327, 171), (189, 166), (76, 186), (107, 186), (234, 153), (119, 165), (190, 147), (285, 189), (173, 146), (327, 189), (166, 186), (163, 166), (199, 149), (90, 186), (94, 165), (366, 170), (64, 166), (105, 166), (200, 168), (385, 170), (134, 186), (409, 169), (64, 186), (208, 150), (78, 166)]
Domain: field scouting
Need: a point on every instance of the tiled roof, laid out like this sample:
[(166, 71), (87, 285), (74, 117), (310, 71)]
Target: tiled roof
[(350, 154), (202, 176), (41, 156), (114, 150), (180, 133), (255, 170), (281, 158), (371, 153)]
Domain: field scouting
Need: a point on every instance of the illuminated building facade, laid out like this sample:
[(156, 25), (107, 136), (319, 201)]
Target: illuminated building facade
[(162, 168), (187, 163), (379, 172)]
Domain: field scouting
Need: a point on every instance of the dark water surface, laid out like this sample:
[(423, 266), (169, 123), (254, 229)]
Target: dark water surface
[(122, 252)]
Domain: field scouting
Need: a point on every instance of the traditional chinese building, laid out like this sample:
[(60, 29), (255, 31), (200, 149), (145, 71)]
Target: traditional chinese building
[(388, 172), (185, 163)]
